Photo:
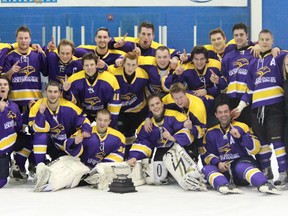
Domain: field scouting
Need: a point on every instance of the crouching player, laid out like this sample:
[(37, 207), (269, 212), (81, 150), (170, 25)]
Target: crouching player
[(104, 145), (167, 135), (10, 125), (227, 152)]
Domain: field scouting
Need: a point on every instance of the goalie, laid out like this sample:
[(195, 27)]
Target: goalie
[(167, 129), (104, 145)]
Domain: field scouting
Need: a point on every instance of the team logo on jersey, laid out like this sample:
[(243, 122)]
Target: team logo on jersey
[(27, 70), (225, 149), (241, 62), (92, 101), (127, 97), (262, 71), (11, 115), (57, 129), (155, 88)]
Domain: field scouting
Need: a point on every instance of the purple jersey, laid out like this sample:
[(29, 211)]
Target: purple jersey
[(103, 93), (132, 95), (10, 124), (130, 46), (109, 58), (265, 79), (57, 69), (173, 122), (60, 125), (26, 84), (221, 146), (97, 148)]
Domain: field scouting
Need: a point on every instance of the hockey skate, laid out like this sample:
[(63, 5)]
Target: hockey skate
[(282, 180), (229, 189), (17, 176), (268, 174), (268, 188), (32, 170)]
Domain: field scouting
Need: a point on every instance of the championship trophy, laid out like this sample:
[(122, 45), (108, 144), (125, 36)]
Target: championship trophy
[(122, 184)]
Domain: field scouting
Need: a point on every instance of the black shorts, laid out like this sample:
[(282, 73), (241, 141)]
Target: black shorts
[(129, 122), (272, 127)]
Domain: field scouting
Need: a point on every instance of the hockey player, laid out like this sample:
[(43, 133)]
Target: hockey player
[(93, 90), (105, 144), (196, 75), (234, 74), (54, 120), (168, 136), (144, 43), (102, 38), (157, 67), (23, 66), (132, 81), (10, 125), (227, 152), (61, 62), (265, 80)]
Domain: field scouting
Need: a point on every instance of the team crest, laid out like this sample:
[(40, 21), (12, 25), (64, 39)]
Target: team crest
[(11, 115), (241, 62), (92, 101), (226, 148), (57, 129), (262, 71), (27, 70)]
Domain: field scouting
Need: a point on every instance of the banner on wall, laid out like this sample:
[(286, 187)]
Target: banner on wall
[(122, 3)]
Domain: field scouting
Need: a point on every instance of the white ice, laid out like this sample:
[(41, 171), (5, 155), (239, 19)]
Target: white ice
[(166, 200)]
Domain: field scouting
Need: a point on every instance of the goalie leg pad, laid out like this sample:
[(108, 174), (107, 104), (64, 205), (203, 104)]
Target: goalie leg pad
[(182, 167), (65, 172), (154, 172)]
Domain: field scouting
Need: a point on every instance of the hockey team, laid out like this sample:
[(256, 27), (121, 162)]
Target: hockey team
[(207, 119)]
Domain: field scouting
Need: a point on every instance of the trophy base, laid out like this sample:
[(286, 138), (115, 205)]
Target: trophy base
[(122, 186)]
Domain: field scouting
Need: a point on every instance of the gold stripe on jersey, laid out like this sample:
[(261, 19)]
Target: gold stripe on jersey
[(27, 94), (147, 60), (264, 149), (114, 157), (36, 128), (238, 87), (141, 148), (188, 134), (119, 71), (39, 149), (267, 93), (8, 141), (5, 45), (180, 117), (208, 158)]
